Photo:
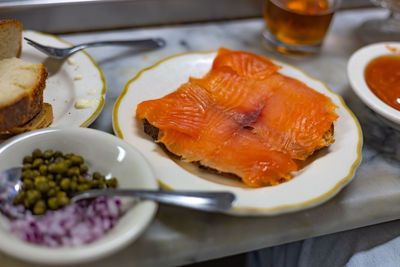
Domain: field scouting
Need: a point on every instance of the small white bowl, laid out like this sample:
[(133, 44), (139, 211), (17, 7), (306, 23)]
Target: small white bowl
[(102, 152), (355, 73)]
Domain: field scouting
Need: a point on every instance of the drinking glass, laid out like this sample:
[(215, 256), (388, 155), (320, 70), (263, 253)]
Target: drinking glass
[(298, 26), (379, 30)]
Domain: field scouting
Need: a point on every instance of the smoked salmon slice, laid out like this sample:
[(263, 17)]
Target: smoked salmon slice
[(294, 118), (245, 64), (235, 95), (243, 117), (192, 127)]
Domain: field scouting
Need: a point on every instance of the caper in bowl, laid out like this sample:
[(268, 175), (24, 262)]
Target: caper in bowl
[(50, 178)]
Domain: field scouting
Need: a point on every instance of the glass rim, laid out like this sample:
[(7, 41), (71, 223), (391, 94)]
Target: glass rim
[(334, 6)]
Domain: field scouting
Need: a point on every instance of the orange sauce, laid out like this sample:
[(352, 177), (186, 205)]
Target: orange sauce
[(392, 49), (382, 76)]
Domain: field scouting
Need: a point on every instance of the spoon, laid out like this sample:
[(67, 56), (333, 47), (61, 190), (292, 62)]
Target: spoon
[(61, 53), (206, 201), (10, 185)]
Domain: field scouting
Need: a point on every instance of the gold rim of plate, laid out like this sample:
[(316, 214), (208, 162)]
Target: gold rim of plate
[(94, 115), (305, 204)]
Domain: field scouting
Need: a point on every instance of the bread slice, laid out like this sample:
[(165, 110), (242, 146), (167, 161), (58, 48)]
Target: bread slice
[(42, 120), (11, 37), (155, 134), (21, 91)]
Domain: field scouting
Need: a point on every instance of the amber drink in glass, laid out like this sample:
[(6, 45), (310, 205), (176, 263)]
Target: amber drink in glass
[(298, 25)]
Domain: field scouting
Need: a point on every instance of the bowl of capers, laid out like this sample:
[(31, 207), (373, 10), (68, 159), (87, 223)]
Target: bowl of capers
[(57, 164), (50, 178)]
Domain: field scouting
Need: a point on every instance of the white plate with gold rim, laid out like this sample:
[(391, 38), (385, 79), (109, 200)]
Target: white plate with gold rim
[(75, 79), (330, 170)]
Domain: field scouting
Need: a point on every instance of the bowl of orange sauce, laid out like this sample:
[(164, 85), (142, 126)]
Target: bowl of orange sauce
[(374, 74)]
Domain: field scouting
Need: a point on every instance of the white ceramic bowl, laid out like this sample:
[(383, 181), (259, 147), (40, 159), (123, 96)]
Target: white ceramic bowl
[(102, 152), (355, 72)]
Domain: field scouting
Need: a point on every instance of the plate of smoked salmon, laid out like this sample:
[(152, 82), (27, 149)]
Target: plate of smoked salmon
[(227, 120)]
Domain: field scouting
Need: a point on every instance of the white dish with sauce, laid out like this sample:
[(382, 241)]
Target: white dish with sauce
[(355, 72), (102, 152)]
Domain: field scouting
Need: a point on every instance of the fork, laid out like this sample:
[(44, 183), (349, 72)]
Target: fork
[(61, 53)]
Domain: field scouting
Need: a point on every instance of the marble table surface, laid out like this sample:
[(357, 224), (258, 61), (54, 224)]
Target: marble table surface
[(178, 236)]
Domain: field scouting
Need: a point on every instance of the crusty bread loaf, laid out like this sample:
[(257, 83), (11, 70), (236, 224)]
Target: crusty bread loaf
[(21, 91), (10, 38)]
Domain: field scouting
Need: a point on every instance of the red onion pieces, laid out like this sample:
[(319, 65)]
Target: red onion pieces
[(78, 223)]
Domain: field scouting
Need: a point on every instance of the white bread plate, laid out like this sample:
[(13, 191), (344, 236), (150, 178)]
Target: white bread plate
[(77, 77)]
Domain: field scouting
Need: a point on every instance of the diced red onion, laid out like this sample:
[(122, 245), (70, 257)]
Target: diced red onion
[(78, 223)]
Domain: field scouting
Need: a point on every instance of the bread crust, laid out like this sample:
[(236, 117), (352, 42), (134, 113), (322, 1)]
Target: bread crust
[(155, 133), (327, 138), (24, 108), (42, 120)]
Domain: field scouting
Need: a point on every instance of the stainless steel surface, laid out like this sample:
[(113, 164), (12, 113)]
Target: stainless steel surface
[(206, 201), (84, 15), (60, 53)]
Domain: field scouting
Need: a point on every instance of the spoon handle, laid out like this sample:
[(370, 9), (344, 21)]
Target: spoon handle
[(207, 201)]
